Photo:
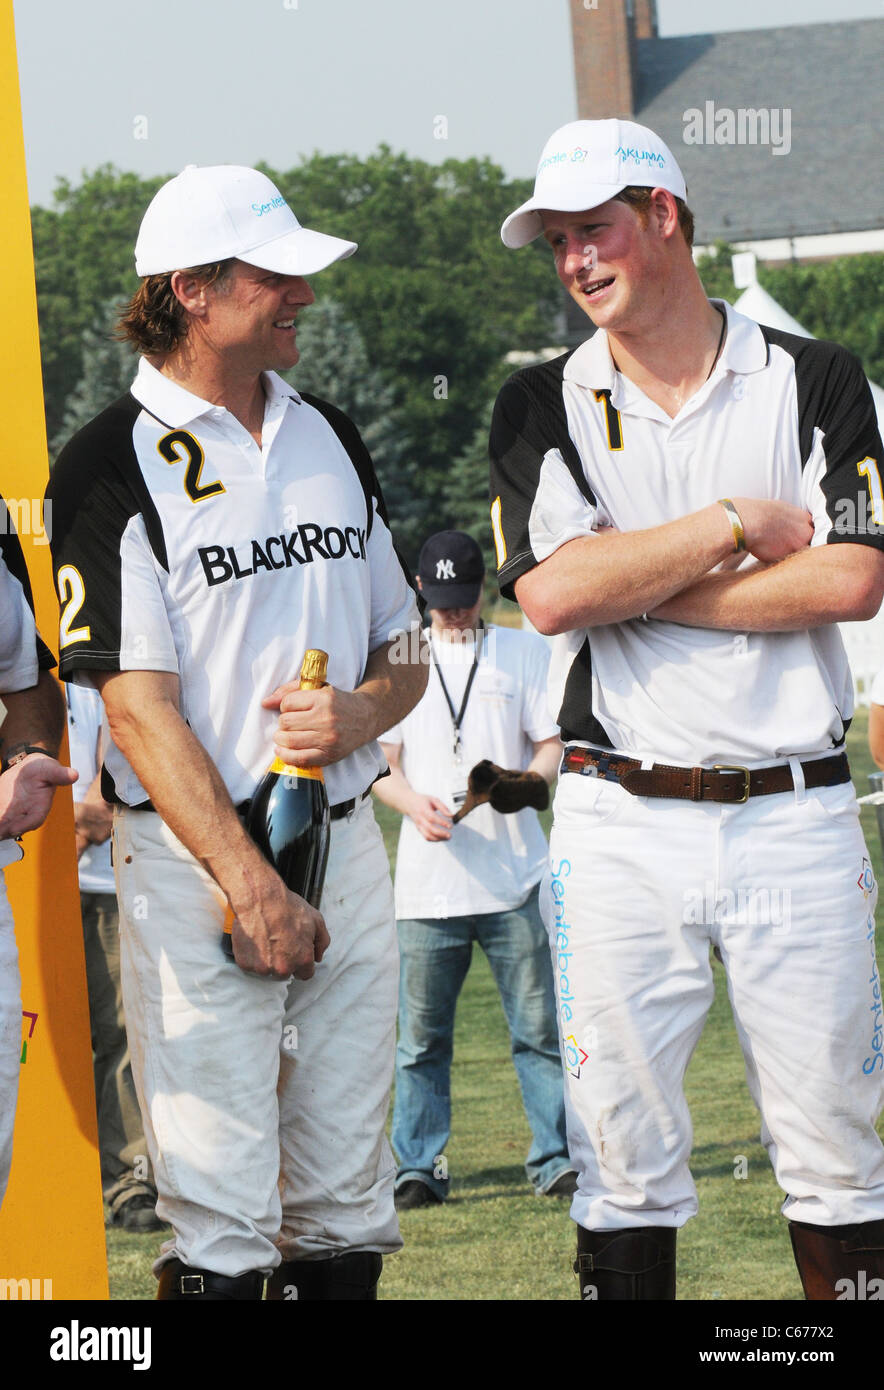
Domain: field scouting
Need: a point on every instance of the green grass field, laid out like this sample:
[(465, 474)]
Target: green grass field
[(493, 1239)]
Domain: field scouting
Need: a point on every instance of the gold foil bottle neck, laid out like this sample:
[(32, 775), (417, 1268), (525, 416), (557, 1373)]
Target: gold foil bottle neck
[(314, 670)]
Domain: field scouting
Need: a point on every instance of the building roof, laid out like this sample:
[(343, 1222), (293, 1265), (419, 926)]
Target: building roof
[(828, 76)]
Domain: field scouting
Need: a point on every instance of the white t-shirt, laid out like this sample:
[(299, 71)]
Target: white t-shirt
[(876, 694), (491, 862), (85, 713)]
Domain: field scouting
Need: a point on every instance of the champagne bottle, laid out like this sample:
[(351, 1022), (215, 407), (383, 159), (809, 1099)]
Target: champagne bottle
[(288, 815)]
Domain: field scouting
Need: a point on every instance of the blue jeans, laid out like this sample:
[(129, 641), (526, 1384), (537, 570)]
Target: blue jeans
[(435, 956)]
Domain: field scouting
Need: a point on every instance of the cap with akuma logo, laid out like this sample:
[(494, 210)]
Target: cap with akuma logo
[(584, 164)]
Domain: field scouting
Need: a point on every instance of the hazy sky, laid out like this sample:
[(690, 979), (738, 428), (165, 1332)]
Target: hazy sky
[(152, 85)]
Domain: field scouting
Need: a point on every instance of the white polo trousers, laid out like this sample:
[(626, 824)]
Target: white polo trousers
[(263, 1101), (637, 890), (10, 1031)]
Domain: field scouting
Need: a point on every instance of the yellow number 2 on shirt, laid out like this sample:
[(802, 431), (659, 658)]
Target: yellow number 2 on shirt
[(169, 447), (72, 596)]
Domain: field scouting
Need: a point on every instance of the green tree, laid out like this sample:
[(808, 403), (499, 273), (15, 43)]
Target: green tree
[(842, 299), (83, 257), (109, 367)]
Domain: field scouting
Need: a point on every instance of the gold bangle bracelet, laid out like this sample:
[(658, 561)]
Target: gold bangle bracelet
[(733, 517)]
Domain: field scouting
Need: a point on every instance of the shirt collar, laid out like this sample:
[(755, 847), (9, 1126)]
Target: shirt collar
[(175, 406), (745, 346), (744, 350)]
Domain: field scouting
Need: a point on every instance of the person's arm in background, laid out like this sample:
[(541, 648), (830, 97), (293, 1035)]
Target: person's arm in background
[(431, 816), (546, 759)]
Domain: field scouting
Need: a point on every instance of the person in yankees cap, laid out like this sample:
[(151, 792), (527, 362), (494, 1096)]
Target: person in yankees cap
[(668, 500), (209, 527), (480, 744)]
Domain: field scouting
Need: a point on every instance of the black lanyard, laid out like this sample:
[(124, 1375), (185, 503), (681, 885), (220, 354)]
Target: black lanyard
[(457, 719)]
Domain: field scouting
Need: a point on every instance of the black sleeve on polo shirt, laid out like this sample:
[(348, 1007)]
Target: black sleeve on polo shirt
[(361, 460), (13, 557), (529, 420), (835, 399), (95, 489)]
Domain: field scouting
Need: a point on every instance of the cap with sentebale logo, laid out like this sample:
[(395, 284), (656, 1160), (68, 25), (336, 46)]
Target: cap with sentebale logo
[(451, 570), (225, 211), (584, 164)]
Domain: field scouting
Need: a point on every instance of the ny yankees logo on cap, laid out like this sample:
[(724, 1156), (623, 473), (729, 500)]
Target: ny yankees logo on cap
[(451, 570)]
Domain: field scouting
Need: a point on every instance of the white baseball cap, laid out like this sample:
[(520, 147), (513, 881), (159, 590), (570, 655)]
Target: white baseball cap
[(224, 210), (584, 164)]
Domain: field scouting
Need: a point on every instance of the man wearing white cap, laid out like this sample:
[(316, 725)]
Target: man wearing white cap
[(690, 503), (208, 528)]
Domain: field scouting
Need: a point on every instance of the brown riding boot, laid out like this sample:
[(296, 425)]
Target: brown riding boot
[(635, 1263), (839, 1262)]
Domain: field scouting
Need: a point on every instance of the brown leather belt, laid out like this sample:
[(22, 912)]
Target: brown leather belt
[(725, 782)]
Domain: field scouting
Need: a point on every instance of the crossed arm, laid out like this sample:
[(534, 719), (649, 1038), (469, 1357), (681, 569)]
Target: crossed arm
[(664, 572)]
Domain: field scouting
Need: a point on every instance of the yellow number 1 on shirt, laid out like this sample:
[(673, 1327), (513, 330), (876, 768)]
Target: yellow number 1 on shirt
[(497, 531), (868, 468)]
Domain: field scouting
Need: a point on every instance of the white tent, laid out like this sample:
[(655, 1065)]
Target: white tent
[(864, 641), (757, 304)]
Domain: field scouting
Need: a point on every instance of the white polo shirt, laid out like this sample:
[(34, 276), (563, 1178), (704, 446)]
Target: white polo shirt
[(181, 546), (491, 862), (576, 446)]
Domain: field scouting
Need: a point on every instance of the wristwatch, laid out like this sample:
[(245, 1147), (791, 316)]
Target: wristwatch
[(19, 752)]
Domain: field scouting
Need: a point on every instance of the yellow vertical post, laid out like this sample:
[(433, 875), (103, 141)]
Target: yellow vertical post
[(51, 1223)]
